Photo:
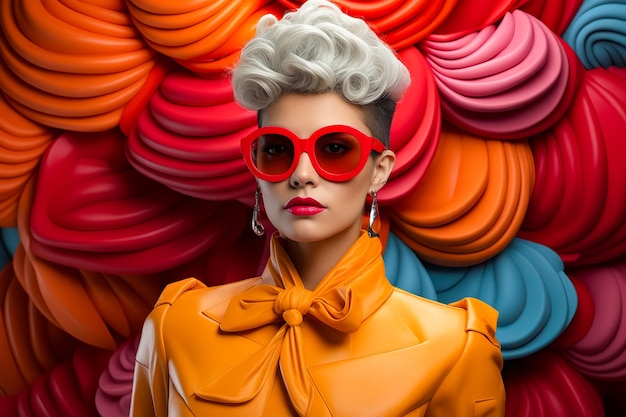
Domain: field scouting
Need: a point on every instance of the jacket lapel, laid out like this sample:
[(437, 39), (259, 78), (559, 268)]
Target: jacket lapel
[(370, 385)]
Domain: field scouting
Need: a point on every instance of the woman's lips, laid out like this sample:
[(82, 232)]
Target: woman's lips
[(299, 206)]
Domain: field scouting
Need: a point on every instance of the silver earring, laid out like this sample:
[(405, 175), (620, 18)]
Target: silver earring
[(373, 215), (257, 227)]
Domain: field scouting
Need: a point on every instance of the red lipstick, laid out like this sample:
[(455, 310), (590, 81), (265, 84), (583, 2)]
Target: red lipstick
[(300, 206)]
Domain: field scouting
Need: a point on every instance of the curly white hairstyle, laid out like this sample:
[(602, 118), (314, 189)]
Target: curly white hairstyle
[(317, 49)]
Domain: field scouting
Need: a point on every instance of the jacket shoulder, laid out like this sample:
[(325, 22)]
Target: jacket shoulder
[(467, 314), (193, 286), (174, 290), (481, 317)]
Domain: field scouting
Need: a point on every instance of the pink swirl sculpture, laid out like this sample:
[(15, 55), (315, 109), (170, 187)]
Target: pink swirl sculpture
[(576, 207), (71, 65), (601, 353), (507, 81), (116, 382), (22, 142), (188, 135)]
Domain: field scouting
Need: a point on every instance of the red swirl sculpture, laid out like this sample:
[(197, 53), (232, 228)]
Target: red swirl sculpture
[(576, 207), (187, 138)]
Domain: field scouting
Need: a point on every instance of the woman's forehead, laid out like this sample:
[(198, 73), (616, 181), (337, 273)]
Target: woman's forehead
[(303, 114)]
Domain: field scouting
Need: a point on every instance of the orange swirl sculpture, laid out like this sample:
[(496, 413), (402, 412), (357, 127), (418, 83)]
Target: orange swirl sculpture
[(69, 64), (30, 345), (467, 219), (203, 36), (22, 142)]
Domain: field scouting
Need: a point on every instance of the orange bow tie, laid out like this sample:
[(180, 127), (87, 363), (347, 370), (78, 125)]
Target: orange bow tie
[(353, 290), (338, 308)]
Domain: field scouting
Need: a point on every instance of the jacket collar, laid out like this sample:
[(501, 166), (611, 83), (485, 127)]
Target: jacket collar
[(353, 290)]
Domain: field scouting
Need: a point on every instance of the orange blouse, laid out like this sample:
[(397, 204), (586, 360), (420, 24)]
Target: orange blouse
[(354, 346)]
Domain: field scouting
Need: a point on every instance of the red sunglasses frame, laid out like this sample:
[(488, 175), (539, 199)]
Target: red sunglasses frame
[(367, 144)]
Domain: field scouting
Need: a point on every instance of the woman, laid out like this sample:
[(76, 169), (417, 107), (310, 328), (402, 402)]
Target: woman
[(321, 332)]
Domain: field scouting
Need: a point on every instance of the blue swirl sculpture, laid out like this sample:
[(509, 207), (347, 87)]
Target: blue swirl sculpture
[(404, 269), (597, 33), (526, 284), (9, 240)]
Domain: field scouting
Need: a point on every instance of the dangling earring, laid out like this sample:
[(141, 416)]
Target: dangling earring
[(257, 227), (373, 215)]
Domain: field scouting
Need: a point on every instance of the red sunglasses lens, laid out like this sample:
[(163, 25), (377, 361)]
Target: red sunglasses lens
[(272, 154), (338, 152)]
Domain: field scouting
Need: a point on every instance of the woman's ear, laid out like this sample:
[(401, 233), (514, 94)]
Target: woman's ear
[(383, 164)]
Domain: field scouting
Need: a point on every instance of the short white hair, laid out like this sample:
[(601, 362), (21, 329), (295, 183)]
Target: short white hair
[(317, 49)]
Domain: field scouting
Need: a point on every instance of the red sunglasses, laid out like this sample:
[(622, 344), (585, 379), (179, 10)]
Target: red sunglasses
[(338, 153)]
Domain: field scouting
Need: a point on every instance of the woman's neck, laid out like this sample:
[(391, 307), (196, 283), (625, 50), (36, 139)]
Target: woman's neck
[(313, 260)]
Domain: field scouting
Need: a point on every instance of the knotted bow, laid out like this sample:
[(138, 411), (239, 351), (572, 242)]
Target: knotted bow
[(338, 308), (350, 292)]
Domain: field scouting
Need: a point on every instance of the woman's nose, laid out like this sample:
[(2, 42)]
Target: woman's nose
[(304, 173)]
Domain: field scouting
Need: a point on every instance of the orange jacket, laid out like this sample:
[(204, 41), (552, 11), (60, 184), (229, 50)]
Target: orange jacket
[(354, 346)]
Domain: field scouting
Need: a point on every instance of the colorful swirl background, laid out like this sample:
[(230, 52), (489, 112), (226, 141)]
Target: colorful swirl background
[(120, 172)]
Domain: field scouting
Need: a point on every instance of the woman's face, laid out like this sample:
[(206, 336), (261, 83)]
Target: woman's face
[(331, 209)]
